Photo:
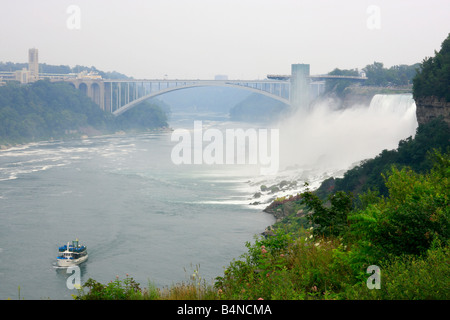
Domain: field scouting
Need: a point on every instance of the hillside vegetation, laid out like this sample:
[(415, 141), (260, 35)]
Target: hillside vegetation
[(434, 76), (43, 110), (258, 108)]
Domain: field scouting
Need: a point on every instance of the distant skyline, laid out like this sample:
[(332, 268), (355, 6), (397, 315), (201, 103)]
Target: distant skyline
[(245, 39)]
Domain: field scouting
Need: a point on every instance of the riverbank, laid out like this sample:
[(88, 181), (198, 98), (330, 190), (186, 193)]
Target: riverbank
[(84, 133)]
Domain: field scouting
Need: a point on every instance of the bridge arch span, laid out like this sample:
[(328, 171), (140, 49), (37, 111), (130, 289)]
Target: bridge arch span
[(132, 104), (96, 93), (83, 87)]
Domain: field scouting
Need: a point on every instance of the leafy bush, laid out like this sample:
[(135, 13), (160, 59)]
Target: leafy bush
[(129, 289), (410, 277), (330, 221), (126, 289), (260, 273), (415, 213)]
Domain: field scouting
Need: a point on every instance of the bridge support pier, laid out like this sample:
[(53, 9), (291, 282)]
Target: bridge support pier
[(94, 89), (299, 95)]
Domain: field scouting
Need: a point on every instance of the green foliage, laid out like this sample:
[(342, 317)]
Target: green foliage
[(410, 278), (377, 75), (44, 110), (433, 78), (144, 116), (417, 211), (414, 215), (398, 75), (261, 273), (293, 223), (126, 289), (330, 221), (305, 269), (338, 86), (257, 107)]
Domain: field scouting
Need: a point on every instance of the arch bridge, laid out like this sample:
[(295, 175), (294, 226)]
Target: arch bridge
[(118, 96)]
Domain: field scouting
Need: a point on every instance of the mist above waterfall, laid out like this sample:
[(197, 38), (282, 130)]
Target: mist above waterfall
[(328, 139)]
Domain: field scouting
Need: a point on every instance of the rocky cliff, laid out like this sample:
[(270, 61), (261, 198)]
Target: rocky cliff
[(428, 108)]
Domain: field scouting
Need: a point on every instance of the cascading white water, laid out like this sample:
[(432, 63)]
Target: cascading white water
[(326, 138), (326, 141), (401, 104)]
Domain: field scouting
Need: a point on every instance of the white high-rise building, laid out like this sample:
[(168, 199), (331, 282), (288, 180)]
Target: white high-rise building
[(33, 64)]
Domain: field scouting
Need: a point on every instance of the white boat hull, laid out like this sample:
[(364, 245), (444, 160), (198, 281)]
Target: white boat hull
[(71, 262)]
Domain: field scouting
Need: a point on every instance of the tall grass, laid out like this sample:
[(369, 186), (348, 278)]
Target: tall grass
[(128, 289)]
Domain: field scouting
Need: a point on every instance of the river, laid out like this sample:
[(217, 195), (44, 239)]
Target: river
[(137, 212)]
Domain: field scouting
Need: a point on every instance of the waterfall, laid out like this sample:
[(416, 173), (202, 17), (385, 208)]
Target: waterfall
[(395, 110), (336, 139), (326, 141), (400, 104)]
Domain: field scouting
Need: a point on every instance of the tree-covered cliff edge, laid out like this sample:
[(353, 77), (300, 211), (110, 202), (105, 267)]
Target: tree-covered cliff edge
[(43, 110), (431, 86)]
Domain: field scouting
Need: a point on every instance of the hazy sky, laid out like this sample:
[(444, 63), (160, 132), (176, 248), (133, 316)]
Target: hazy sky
[(244, 39)]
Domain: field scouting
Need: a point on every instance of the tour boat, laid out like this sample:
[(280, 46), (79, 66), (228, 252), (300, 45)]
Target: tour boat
[(71, 254)]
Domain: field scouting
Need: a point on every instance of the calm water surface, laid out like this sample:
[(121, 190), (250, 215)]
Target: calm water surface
[(121, 195)]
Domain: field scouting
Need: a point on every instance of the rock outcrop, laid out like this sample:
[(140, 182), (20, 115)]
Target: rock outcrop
[(428, 108)]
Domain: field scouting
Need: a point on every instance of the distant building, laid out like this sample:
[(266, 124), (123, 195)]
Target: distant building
[(89, 75), (23, 76), (221, 77), (7, 76), (33, 65)]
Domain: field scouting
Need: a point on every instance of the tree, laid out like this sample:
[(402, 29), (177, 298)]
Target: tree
[(328, 221), (433, 77), (398, 75), (415, 213), (375, 74), (144, 116), (339, 85)]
